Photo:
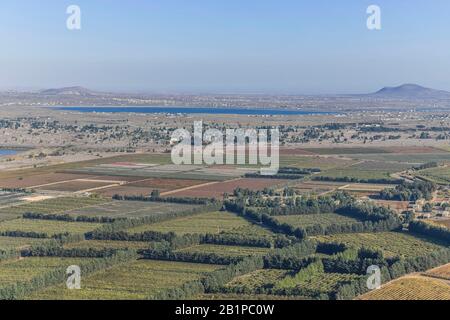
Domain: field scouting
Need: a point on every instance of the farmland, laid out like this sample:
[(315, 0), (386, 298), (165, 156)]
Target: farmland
[(226, 251), (439, 175), (262, 244), (138, 280), (411, 288), (17, 243), (325, 283), (321, 162), (13, 271), (440, 272), (76, 185), (52, 206), (212, 222), (10, 198), (49, 228), (36, 180), (129, 209), (390, 243), (163, 171), (219, 189), (107, 244), (256, 281), (307, 220)]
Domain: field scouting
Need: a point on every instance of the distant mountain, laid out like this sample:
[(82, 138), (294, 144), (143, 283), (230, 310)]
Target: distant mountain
[(411, 91), (70, 91)]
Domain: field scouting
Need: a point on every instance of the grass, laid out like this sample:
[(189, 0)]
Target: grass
[(251, 230), (356, 173), (252, 282), (130, 209), (138, 280), (212, 222), (10, 198), (438, 175), (323, 163), (49, 227), (16, 243), (325, 282), (308, 220), (52, 206), (226, 251), (411, 288), (405, 158), (13, 271), (108, 244), (390, 243)]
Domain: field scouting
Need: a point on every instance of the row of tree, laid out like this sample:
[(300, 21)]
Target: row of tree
[(410, 191), (212, 281), (154, 197), (67, 218), (430, 230)]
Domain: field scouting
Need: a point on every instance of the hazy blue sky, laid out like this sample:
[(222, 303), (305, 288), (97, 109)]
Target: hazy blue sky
[(279, 46)]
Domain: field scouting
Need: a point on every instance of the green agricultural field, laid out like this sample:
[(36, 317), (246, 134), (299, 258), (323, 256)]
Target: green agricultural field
[(13, 271), (226, 251), (406, 158), (438, 175), (323, 163), (355, 173), (16, 243), (391, 243), (252, 282), (10, 198), (52, 206), (251, 230), (347, 150), (138, 280), (108, 244), (130, 209), (308, 220), (325, 282), (51, 228), (212, 222), (367, 170), (382, 166)]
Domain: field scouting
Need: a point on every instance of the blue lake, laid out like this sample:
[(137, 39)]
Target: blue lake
[(194, 110)]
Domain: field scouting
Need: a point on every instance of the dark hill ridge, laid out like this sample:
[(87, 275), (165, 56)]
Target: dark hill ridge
[(411, 91)]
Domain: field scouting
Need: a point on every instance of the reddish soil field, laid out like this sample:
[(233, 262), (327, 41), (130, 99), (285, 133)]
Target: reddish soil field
[(217, 190), (114, 178), (166, 184), (30, 181), (125, 191), (74, 186), (145, 187)]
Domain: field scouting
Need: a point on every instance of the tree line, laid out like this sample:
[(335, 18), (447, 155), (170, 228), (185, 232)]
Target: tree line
[(410, 191)]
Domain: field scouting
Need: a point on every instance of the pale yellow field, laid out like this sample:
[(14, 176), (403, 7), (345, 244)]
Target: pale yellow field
[(411, 288)]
